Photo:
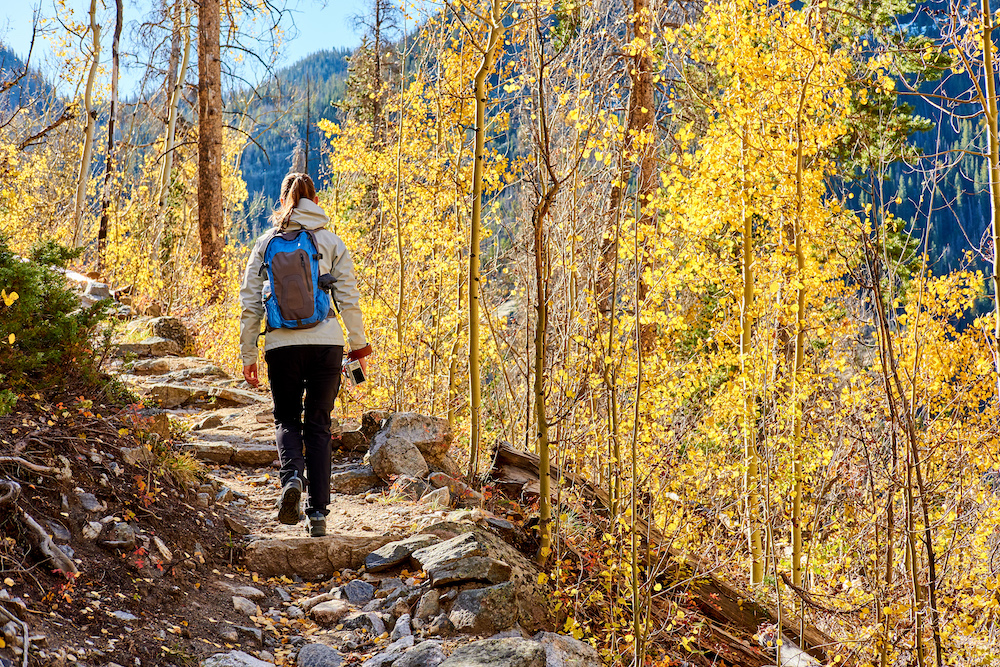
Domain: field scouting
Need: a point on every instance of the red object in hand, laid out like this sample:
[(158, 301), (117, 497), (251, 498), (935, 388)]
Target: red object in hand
[(250, 375)]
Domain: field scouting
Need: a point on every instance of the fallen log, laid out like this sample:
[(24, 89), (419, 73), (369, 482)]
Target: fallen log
[(516, 472)]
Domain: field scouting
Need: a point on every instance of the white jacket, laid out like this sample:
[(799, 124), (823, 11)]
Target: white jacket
[(335, 260)]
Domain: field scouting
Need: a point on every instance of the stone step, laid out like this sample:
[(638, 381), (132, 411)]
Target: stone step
[(312, 557), (174, 395), (251, 454)]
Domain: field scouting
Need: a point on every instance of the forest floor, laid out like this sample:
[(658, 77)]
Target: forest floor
[(176, 555)]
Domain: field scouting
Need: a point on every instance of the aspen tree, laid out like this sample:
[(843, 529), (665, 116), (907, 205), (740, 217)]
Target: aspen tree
[(88, 137), (109, 159), (173, 104), (495, 29), (993, 143)]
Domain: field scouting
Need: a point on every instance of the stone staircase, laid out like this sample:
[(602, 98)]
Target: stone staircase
[(413, 573)]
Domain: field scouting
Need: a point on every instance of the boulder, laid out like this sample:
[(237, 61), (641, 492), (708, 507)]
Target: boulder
[(563, 651), (358, 593), (371, 422), (510, 652), (312, 557), (318, 655), (430, 435), (390, 654), (170, 395), (173, 329), (234, 659), (472, 541), (437, 498), (244, 606), (408, 487), (120, 536), (164, 365), (473, 568), (354, 480), (226, 396), (196, 373), (391, 457), (485, 611), (96, 290), (150, 347), (429, 605), (396, 553), (462, 494), (255, 454), (425, 654), (214, 452), (352, 441), (364, 620), (211, 420)]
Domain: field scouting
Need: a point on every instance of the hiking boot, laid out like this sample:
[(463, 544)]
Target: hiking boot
[(288, 507), (317, 524)]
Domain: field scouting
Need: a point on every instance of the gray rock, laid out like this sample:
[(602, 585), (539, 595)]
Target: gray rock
[(358, 592), (229, 634), (162, 550), (440, 626), (402, 628), (485, 611), (170, 395), (125, 616), (121, 536), (255, 454), (58, 532), (472, 568), (437, 498), (509, 652), (283, 594), (91, 530), (408, 487), (89, 501), (250, 633), (97, 290), (227, 396), (329, 612), (391, 653), (429, 605), (173, 329), (211, 420), (236, 528), (391, 457), (294, 612), (150, 347), (244, 606), (234, 659), (430, 435), (311, 557), (425, 654), (250, 593), (352, 441), (462, 495), (396, 553), (213, 452), (204, 500), (318, 655), (224, 495), (563, 651), (354, 480), (364, 621)]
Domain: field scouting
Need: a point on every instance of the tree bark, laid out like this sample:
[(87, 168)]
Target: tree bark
[(994, 156), (91, 128), (209, 135), (109, 159), (493, 40)]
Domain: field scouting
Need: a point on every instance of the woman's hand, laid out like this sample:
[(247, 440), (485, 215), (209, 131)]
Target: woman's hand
[(250, 375)]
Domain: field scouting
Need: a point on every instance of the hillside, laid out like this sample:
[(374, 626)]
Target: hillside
[(323, 75)]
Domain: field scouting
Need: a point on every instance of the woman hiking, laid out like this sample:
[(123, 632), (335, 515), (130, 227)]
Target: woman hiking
[(287, 272)]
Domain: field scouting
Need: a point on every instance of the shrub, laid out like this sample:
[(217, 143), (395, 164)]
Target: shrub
[(45, 335)]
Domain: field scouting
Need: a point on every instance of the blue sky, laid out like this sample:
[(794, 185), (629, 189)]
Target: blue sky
[(320, 25)]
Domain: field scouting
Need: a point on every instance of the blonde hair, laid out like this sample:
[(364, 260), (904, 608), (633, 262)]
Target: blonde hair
[(294, 187)]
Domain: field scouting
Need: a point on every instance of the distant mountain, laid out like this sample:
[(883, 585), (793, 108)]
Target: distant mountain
[(33, 87), (323, 75)]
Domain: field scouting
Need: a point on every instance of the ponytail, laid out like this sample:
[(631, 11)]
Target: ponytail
[(294, 187)]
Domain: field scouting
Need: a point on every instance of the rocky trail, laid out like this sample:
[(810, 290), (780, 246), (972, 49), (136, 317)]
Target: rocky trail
[(414, 572)]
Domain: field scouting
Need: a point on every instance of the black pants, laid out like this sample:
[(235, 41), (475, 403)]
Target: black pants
[(315, 371)]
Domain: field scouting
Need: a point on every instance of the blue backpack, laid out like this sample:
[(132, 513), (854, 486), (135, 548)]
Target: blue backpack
[(293, 298)]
